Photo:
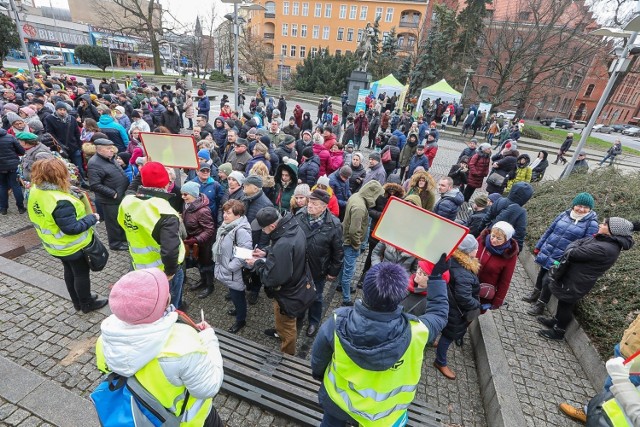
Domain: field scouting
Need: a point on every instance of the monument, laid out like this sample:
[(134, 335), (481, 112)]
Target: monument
[(360, 78)]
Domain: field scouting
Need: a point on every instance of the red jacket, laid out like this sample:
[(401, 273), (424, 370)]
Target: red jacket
[(335, 161), (330, 141), (496, 269), (478, 169), (430, 152), (325, 159), (360, 125), (297, 115)]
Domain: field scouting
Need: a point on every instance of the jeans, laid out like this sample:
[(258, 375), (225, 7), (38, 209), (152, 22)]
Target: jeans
[(348, 269), (357, 141), (175, 287), (76, 159), (9, 180), (441, 351), (608, 156), (490, 138), (315, 311), (542, 276), (239, 303), (77, 279)]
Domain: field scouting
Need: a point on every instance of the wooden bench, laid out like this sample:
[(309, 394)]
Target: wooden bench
[(283, 384)]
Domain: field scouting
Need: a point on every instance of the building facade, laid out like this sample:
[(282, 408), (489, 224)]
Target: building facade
[(292, 29)]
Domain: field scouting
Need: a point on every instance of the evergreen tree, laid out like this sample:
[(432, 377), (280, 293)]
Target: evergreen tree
[(403, 73), (324, 74), (386, 62), (9, 38), (471, 23)]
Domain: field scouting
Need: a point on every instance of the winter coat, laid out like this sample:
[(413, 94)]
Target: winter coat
[(562, 231), (325, 252), (458, 176), (294, 131), (463, 292), (219, 133), (10, 150), (391, 146), (213, 191), (256, 159), (297, 116), (204, 106), (32, 155), (188, 107), (496, 269), (198, 221), (376, 173), (114, 131), (582, 272), (349, 135), (309, 171), (239, 163), (356, 218), (416, 161), (357, 176), (428, 194), (402, 139), (407, 153), (307, 123), (523, 172), (340, 189), (156, 112), (88, 112), (506, 167), (171, 121), (478, 169), (449, 204), (282, 195), (538, 172), (360, 125), (65, 131), (566, 144), (467, 152), (430, 150), (510, 209), (228, 269), (336, 160), (253, 204), (107, 179), (325, 159), (387, 253), (474, 222), (282, 151)]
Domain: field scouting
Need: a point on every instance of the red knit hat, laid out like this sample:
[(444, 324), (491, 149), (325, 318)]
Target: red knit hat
[(154, 175)]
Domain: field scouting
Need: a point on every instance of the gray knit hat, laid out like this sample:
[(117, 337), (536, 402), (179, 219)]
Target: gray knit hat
[(620, 226), (191, 188), (238, 176), (468, 244), (253, 180)]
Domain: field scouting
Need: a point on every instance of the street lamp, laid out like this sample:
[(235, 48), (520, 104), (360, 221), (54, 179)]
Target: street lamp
[(469, 72), (619, 65), (234, 19), (25, 51)]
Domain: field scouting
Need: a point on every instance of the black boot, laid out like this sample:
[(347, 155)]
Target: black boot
[(556, 333), (199, 285), (533, 296), (549, 322), (208, 281), (537, 309), (94, 304)]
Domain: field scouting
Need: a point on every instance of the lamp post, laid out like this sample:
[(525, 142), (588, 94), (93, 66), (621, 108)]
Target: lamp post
[(619, 65), (25, 52), (281, 71), (469, 72)]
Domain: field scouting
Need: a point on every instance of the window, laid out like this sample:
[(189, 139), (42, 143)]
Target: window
[(491, 67), (285, 8), (296, 8), (314, 52), (327, 10), (524, 16), (484, 92), (283, 50), (554, 103), (303, 30), (338, 52), (271, 8), (352, 12), (284, 72), (340, 34), (517, 43), (293, 51), (589, 90), (389, 16), (305, 9), (385, 35), (343, 11), (303, 51), (363, 12), (400, 41), (325, 33), (285, 29), (316, 32), (411, 41), (318, 11), (360, 33), (294, 30), (350, 35), (378, 13)]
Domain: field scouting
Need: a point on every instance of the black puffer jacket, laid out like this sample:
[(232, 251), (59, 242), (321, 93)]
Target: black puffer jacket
[(392, 145), (510, 209), (463, 292), (475, 222), (65, 131), (309, 171), (107, 179), (10, 149), (324, 244), (582, 272), (253, 204), (506, 167)]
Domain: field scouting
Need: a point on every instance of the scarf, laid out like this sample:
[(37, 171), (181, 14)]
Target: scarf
[(535, 163), (496, 250), (223, 230), (577, 217)]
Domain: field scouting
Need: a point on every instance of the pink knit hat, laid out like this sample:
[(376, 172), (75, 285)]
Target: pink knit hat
[(140, 296), (28, 111)]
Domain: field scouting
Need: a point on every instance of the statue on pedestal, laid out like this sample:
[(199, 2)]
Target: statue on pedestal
[(365, 49)]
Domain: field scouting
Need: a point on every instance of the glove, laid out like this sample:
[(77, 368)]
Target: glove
[(618, 371), (190, 241), (536, 251), (440, 267), (486, 306)]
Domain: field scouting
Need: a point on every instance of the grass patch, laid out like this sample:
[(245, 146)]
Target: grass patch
[(558, 136), (614, 301)]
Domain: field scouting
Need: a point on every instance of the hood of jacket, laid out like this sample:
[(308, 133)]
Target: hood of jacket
[(625, 242), (370, 192), (526, 157), (218, 123), (293, 173), (431, 182), (3, 132), (105, 119), (128, 348), (200, 202), (393, 140), (455, 195), (520, 193), (467, 262)]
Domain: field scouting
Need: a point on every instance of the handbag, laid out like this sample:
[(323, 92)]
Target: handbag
[(386, 156), (487, 291), (496, 179), (96, 254), (191, 255), (559, 267), (295, 300)]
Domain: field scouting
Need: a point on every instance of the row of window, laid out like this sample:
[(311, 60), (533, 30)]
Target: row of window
[(352, 12), (340, 36), (293, 50)]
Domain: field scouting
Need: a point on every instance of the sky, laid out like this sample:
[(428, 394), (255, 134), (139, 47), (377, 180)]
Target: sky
[(184, 10)]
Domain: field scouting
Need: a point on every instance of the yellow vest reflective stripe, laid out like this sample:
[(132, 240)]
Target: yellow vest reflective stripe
[(377, 398), (182, 340), (138, 218), (615, 413), (40, 206)]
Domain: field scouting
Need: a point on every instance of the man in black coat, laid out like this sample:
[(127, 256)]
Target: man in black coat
[(10, 149), (324, 248), (281, 266), (109, 182), (63, 127)]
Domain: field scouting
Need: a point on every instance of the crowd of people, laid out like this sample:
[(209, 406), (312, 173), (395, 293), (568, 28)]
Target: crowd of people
[(285, 206)]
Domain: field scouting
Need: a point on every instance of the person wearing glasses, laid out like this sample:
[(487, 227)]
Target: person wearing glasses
[(498, 253), (210, 188)]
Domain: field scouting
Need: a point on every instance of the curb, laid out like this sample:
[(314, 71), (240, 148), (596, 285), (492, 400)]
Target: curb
[(499, 398), (575, 336)]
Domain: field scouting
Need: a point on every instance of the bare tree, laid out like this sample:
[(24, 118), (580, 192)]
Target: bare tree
[(254, 59), (537, 45), (223, 36)]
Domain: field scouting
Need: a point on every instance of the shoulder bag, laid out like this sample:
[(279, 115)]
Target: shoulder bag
[(386, 156), (96, 254), (295, 300), (496, 179)]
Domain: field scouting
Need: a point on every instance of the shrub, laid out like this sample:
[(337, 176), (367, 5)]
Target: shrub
[(615, 299), (94, 55), (531, 133), (217, 76)]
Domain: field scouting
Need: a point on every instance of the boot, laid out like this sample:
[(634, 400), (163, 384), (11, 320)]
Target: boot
[(549, 322), (94, 304), (555, 334), (573, 412), (532, 297), (445, 370), (208, 283), (199, 285), (537, 309)]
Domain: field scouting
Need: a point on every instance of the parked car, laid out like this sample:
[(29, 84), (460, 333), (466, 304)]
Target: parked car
[(620, 128), (579, 124), (631, 131), (560, 122), (602, 129), (52, 59), (507, 115)]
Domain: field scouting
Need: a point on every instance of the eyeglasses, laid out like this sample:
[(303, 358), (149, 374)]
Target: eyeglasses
[(497, 237), (205, 170)]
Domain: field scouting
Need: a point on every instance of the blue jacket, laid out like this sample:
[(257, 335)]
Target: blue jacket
[(449, 204), (309, 171), (219, 132), (204, 106), (423, 130), (510, 209), (402, 139), (10, 150), (156, 113), (562, 231), (418, 161), (213, 191), (340, 189), (107, 122), (374, 340), (255, 160)]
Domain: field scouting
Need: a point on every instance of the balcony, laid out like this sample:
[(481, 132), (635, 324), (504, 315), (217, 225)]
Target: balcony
[(269, 35), (269, 14), (269, 56), (409, 24)]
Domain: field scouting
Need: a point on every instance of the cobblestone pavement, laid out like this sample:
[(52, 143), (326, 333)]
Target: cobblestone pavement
[(13, 415)]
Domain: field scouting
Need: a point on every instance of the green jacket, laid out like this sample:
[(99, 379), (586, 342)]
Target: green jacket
[(356, 217)]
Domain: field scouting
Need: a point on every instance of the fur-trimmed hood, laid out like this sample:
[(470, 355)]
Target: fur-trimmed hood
[(467, 262), (393, 189), (431, 183)]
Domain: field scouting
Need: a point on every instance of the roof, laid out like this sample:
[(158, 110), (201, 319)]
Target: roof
[(442, 86)]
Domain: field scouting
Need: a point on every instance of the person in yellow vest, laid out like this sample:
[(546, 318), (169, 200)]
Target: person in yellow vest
[(369, 356), (152, 228), (169, 359), (64, 227)]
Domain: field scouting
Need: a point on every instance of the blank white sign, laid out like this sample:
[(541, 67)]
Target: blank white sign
[(172, 150)]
